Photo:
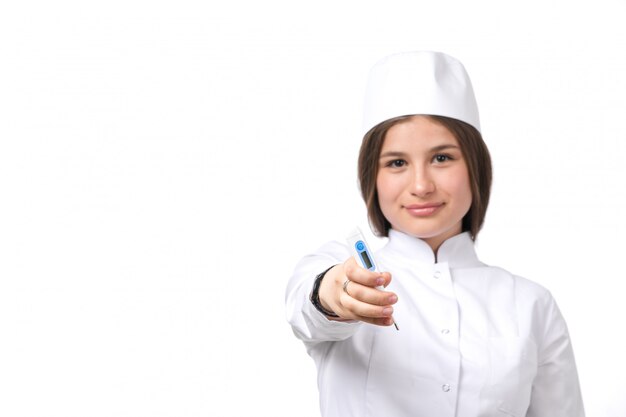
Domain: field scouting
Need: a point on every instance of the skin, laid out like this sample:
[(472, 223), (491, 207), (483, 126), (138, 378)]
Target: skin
[(424, 191), (423, 182)]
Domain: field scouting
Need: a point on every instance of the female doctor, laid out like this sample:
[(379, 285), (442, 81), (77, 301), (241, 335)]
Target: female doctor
[(474, 340)]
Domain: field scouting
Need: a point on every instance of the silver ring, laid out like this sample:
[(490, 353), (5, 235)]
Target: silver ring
[(345, 286)]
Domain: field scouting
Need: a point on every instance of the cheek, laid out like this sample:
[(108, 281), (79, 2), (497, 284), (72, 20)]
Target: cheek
[(387, 188), (384, 189), (460, 187)]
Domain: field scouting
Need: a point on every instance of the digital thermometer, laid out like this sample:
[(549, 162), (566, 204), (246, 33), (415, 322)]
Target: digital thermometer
[(363, 255)]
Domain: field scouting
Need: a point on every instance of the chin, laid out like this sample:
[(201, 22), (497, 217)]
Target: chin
[(431, 233)]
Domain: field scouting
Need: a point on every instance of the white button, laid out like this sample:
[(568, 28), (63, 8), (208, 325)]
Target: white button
[(437, 274), (445, 331), (445, 387)]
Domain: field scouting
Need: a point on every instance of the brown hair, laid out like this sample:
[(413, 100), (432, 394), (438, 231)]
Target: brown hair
[(476, 157)]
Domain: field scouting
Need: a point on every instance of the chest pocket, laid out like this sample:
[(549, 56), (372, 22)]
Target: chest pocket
[(512, 368)]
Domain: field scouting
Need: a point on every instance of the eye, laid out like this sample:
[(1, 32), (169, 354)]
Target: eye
[(396, 163), (440, 158)]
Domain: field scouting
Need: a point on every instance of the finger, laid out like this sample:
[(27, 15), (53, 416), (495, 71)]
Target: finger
[(369, 295), (359, 310), (387, 321), (361, 275)]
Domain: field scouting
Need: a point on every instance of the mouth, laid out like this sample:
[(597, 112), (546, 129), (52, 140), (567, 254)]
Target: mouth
[(423, 210)]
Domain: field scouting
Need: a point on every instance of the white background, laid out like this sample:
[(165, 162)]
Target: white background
[(164, 165)]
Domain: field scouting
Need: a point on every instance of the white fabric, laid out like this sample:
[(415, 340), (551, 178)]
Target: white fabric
[(419, 83), (474, 340)]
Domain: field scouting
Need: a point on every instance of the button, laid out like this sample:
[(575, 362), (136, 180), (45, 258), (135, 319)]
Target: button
[(445, 387), (445, 331), (437, 274)]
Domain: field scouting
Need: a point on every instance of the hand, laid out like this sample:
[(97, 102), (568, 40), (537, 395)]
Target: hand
[(361, 300)]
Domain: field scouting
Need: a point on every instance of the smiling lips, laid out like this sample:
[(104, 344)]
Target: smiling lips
[(423, 210)]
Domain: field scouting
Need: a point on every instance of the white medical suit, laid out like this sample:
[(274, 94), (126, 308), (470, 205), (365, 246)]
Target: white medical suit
[(474, 340)]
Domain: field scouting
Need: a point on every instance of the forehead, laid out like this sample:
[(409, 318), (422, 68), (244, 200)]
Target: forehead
[(418, 132)]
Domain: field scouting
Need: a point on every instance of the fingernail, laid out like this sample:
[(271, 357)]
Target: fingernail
[(387, 311), (392, 299), (379, 282)]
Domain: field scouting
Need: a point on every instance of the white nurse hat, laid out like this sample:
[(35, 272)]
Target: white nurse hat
[(419, 83)]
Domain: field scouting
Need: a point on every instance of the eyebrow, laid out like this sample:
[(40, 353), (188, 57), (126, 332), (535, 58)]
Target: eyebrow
[(438, 148)]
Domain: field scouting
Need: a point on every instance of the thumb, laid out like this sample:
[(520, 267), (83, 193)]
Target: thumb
[(387, 277)]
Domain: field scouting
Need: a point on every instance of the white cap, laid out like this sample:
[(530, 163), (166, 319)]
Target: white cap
[(419, 83)]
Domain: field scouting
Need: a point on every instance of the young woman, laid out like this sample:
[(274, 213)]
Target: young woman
[(474, 340)]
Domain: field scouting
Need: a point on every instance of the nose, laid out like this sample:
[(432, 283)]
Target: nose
[(422, 183)]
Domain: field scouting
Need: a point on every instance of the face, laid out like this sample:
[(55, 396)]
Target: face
[(423, 182)]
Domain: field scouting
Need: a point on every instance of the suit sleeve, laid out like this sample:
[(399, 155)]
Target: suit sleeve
[(556, 390), (307, 323)]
